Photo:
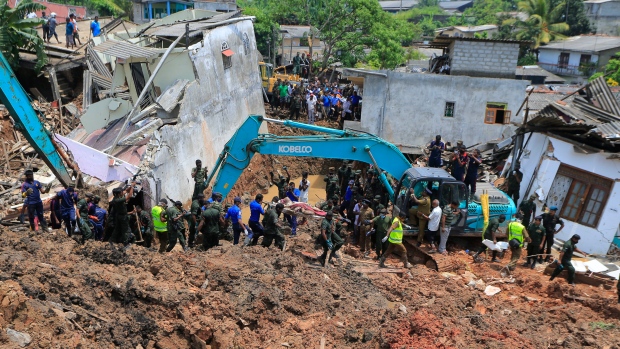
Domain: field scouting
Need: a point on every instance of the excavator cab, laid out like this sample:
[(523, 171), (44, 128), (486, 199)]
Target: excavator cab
[(443, 187)]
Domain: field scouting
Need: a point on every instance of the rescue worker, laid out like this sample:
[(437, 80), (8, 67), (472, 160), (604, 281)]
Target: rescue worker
[(199, 175), (195, 212), (256, 210), (100, 218), (381, 224), (528, 209), (448, 217), (342, 173), (272, 228), (175, 226), (329, 239), (224, 233), (514, 183), (395, 238), (537, 233), (210, 226), (68, 197), (365, 219), (420, 208), (516, 231), (331, 184), (550, 220), (566, 255), (160, 224), (32, 190), (234, 214), (330, 205), (146, 226), (376, 204), (118, 206), (82, 207), (489, 234), (282, 184)]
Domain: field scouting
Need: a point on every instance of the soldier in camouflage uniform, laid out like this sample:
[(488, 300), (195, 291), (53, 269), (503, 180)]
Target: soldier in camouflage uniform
[(330, 205), (224, 233), (331, 184), (282, 184), (199, 175)]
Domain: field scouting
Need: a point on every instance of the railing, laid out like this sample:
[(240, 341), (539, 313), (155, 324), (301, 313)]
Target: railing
[(564, 69)]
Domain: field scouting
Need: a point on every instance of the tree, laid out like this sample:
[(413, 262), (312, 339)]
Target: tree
[(18, 32), (576, 19), (611, 71), (540, 26)]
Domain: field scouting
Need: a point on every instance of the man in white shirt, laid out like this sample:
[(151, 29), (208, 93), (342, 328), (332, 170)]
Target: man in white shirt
[(433, 224), (304, 187), (311, 108)]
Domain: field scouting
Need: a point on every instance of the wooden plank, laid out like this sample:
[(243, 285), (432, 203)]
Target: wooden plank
[(380, 270)]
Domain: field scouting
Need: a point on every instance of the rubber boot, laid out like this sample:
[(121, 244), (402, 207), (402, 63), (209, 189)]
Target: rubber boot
[(382, 262)]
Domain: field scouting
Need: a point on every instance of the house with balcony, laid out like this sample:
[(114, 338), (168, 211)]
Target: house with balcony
[(578, 55)]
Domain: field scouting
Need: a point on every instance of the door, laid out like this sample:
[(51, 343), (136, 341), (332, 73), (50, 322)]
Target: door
[(563, 60)]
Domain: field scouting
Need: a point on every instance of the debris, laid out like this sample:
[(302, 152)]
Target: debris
[(491, 290), (402, 308), (20, 338)]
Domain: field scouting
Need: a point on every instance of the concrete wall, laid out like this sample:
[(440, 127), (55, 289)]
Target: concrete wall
[(213, 107), (484, 59), (540, 162), (604, 16), (415, 103)]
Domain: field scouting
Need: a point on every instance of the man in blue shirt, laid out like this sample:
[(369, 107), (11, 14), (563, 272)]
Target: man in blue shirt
[(436, 147), (256, 209), (97, 216), (234, 214), (68, 198), (293, 194), (69, 33), (31, 190), (94, 27), (348, 195), (355, 103)]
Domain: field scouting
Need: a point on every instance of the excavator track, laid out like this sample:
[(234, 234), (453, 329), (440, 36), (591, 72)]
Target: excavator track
[(421, 255)]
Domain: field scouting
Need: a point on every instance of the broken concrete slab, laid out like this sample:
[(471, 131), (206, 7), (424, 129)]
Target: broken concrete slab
[(99, 114), (170, 98)]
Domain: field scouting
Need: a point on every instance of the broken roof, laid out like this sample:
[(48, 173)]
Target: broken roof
[(445, 41), (124, 50), (534, 70), (585, 43)]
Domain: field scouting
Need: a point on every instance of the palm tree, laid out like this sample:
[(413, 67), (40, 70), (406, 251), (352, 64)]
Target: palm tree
[(538, 26), (19, 33)]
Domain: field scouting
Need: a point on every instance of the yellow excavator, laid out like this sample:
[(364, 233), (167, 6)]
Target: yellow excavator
[(269, 76)]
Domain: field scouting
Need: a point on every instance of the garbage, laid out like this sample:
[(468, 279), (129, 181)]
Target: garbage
[(491, 290)]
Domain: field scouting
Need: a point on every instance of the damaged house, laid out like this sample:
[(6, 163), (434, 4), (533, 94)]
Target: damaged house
[(151, 110), (570, 158)]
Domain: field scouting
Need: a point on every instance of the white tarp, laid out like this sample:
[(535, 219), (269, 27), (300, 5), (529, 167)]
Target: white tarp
[(595, 266), (579, 266)]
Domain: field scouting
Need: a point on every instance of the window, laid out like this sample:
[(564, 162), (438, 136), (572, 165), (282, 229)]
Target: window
[(226, 55), (563, 59), (582, 195), (497, 113), (585, 59), (449, 110), (246, 44)]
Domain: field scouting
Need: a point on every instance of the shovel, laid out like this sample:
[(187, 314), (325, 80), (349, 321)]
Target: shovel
[(139, 228)]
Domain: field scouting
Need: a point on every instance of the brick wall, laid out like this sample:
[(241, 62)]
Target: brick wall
[(484, 59)]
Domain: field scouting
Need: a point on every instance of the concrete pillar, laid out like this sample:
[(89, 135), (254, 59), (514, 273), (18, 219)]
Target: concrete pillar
[(150, 11), (168, 7)]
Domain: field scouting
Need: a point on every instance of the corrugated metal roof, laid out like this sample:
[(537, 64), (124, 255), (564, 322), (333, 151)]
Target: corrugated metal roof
[(609, 130), (453, 4), (538, 101), (585, 43), (395, 5), (195, 27), (124, 50), (601, 95)]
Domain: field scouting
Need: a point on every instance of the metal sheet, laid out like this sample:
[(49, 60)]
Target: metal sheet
[(125, 50)]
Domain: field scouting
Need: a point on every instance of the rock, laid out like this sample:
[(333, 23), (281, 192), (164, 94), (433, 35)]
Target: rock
[(468, 276), (492, 290), (481, 286), (530, 299), (340, 324), (155, 269), (591, 341), (448, 275), (222, 340), (70, 315), (402, 308), (20, 338), (368, 336), (139, 346), (506, 312), (352, 335), (304, 325)]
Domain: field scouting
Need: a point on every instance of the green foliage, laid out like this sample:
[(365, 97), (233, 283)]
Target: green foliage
[(528, 59), (414, 54), (612, 69), (540, 27), (485, 11), (577, 20), (17, 33), (602, 325), (265, 29)]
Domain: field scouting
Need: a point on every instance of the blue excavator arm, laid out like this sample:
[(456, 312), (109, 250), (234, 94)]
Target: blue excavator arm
[(13, 96), (332, 144)]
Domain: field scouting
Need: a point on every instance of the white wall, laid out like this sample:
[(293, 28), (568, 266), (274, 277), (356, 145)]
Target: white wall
[(550, 56), (213, 107), (544, 155)]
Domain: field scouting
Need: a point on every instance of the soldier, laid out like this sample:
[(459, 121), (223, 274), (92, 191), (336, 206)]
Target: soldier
[(210, 220), (160, 224), (489, 234), (527, 209), (376, 205), (341, 173), (282, 184), (417, 213), (31, 190), (272, 228), (329, 239), (365, 218), (82, 207), (514, 184), (537, 233), (199, 175), (345, 179), (195, 212), (381, 224), (118, 207), (566, 255), (224, 233), (331, 184), (175, 226), (330, 205)]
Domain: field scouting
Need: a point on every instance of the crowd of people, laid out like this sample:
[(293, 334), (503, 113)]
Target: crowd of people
[(71, 28)]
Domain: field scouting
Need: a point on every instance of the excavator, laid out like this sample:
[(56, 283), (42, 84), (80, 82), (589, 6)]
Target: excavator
[(269, 76), (364, 147)]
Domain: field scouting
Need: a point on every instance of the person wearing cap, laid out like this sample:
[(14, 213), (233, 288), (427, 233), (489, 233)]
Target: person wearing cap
[(195, 211), (146, 226), (82, 207), (489, 234), (160, 224), (458, 162), (98, 218), (120, 220), (448, 218), (514, 183), (329, 239), (537, 232), (272, 227), (330, 205), (528, 209), (376, 204), (381, 223), (256, 210), (31, 190), (311, 100), (331, 184), (550, 220), (516, 231), (234, 214), (199, 174), (566, 255), (420, 208), (68, 197), (175, 226), (281, 183), (394, 236), (209, 225), (304, 187), (365, 219), (436, 148)]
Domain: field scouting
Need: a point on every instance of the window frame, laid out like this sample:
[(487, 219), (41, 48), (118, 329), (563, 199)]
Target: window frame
[(445, 109), (490, 113), (561, 62), (592, 182), (226, 60)]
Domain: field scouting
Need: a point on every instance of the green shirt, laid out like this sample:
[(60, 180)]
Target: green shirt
[(195, 208), (491, 228), (568, 248), (283, 90), (172, 212), (270, 221), (211, 217), (328, 207), (536, 232), (200, 175), (382, 225), (145, 219), (450, 217), (82, 207), (119, 206), (327, 226)]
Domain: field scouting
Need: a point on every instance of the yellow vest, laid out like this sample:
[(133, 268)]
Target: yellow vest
[(396, 236), (157, 223), (515, 231)]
